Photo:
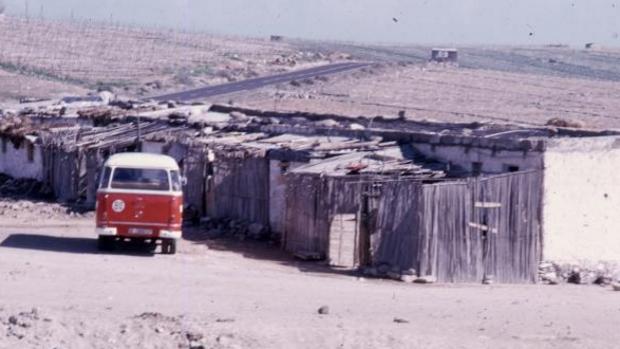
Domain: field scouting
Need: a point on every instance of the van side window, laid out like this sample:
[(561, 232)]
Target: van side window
[(105, 178), (175, 177)]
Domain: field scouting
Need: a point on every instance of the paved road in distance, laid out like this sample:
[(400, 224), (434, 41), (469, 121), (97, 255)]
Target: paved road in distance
[(251, 84)]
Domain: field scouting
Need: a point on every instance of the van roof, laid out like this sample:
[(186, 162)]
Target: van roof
[(142, 160)]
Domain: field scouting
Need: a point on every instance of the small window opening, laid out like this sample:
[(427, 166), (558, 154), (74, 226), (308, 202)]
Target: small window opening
[(511, 168), (30, 150), (284, 165), (476, 168)]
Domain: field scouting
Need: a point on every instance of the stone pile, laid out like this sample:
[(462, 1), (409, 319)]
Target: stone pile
[(238, 229), (600, 274), (24, 188), (18, 325), (387, 271)]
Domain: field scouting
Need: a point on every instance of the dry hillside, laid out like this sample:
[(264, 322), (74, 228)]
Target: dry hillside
[(136, 61), (450, 94), (518, 84)]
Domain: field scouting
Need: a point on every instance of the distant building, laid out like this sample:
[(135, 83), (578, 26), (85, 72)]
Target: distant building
[(276, 38), (445, 55)]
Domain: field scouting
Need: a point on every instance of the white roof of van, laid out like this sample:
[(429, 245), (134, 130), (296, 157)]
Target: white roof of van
[(142, 160)]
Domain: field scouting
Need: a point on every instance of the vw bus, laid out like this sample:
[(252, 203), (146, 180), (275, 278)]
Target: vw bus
[(140, 198)]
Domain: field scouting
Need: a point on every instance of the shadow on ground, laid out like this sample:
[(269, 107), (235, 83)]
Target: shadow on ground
[(263, 250), (71, 245)]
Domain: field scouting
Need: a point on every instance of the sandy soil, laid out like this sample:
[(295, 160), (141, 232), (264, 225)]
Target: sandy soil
[(448, 94), (141, 62), (57, 291), (16, 86)]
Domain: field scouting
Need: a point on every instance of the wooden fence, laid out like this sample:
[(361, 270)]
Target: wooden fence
[(239, 188), (462, 231)]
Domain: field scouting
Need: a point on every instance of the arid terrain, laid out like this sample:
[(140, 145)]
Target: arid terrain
[(443, 93), (59, 292), (527, 85), (133, 61)]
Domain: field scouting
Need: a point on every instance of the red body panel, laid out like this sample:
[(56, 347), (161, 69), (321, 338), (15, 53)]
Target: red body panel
[(139, 211)]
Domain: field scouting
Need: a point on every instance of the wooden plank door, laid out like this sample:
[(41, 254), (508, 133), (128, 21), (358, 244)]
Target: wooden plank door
[(343, 241)]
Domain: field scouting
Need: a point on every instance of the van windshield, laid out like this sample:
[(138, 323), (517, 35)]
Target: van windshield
[(140, 179)]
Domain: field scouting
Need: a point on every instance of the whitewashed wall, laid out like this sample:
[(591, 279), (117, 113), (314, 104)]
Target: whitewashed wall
[(176, 151), (491, 162), (582, 200), (14, 162), (153, 147)]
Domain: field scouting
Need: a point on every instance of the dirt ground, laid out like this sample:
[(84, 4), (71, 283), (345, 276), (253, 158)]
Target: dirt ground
[(132, 61), (58, 291), (15, 86), (449, 94)]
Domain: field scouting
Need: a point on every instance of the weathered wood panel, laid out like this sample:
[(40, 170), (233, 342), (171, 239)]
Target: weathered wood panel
[(311, 203), (61, 172), (240, 188), (461, 241), (195, 164), (393, 223), (514, 252), (343, 240), (449, 248)]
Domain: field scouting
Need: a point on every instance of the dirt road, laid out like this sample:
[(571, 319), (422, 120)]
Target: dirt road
[(57, 291)]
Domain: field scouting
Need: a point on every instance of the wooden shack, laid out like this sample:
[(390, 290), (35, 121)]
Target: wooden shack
[(329, 218)]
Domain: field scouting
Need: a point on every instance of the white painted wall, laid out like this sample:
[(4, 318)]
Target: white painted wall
[(176, 151), (153, 147), (581, 212), (14, 162), (491, 162)]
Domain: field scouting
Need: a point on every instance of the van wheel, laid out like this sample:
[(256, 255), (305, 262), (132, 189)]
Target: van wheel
[(152, 246), (168, 246), (105, 243)]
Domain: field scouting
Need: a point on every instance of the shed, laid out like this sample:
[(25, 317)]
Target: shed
[(327, 222)]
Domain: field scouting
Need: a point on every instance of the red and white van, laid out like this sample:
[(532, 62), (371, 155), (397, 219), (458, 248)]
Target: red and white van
[(140, 198)]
